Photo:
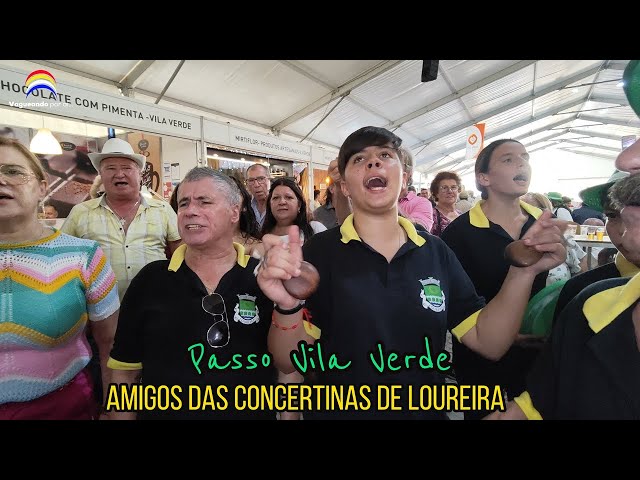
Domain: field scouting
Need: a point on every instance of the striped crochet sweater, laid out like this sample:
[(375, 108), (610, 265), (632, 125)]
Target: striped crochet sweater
[(48, 290)]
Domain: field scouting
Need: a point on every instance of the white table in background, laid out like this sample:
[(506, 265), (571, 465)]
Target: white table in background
[(589, 244)]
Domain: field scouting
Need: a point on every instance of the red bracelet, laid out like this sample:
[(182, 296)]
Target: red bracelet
[(275, 324), (306, 316)]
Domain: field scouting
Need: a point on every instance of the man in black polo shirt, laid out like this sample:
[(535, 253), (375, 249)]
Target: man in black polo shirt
[(626, 264), (196, 324), (387, 294), (590, 368), (584, 212)]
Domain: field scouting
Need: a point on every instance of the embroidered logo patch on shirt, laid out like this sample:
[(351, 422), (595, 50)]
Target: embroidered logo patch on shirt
[(246, 310), (432, 295)]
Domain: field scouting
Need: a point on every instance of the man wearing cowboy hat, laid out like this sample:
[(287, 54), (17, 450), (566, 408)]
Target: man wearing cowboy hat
[(132, 230), (626, 262)]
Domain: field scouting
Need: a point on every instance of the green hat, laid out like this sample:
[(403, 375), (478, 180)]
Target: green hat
[(631, 84), (554, 196), (594, 196)]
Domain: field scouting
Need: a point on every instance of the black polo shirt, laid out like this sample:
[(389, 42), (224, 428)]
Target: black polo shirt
[(620, 268), (579, 215), (363, 301), (590, 368), (162, 315), (479, 244)]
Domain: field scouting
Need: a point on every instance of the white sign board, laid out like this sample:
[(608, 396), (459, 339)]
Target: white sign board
[(215, 132), (79, 103), (322, 156), (270, 145)]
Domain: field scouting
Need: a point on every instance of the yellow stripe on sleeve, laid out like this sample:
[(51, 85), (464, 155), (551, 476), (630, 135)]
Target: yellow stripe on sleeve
[(467, 324), (118, 365)]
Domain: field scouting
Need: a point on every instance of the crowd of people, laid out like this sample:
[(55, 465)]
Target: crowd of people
[(196, 293)]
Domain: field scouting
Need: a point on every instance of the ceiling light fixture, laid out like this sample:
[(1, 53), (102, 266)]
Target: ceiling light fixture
[(45, 143)]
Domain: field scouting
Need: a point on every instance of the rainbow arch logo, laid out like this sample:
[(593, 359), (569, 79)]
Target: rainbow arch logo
[(40, 80)]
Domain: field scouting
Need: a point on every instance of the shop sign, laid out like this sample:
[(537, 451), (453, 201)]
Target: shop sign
[(20, 90), (269, 145)]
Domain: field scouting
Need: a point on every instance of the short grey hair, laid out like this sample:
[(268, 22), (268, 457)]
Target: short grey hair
[(625, 192), (221, 181), (406, 159), (266, 169)]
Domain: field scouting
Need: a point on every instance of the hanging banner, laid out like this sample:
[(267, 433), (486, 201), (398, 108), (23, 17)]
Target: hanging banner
[(475, 140)]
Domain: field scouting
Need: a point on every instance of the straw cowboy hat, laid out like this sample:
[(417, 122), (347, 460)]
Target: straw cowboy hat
[(593, 196), (116, 148)]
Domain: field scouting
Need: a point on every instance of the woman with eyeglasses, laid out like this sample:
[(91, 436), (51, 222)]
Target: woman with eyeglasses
[(444, 191), (286, 206), (52, 285)]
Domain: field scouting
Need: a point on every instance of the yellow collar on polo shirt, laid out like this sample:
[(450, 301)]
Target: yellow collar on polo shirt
[(625, 267), (178, 257), (477, 218), (604, 307), (349, 233)]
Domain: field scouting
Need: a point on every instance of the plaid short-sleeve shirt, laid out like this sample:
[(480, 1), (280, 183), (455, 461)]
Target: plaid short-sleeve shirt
[(145, 240)]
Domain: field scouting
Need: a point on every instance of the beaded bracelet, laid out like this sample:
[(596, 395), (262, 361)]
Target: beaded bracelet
[(292, 327)]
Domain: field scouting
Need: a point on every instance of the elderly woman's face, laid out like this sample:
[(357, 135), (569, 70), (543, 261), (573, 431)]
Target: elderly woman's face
[(448, 191), (20, 189)]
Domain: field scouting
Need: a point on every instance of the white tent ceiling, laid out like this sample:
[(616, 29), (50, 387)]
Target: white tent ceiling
[(574, 105)]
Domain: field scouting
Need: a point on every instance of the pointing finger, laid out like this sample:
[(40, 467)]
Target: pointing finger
[(295, 245)]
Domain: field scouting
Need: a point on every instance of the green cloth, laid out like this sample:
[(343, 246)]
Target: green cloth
[(538, 316)]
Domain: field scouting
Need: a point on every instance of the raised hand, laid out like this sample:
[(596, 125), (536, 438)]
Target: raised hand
[(546, 236), (334, 173), (281, 261)]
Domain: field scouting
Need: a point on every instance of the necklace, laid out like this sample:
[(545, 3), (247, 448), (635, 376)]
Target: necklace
[(123, 218)]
